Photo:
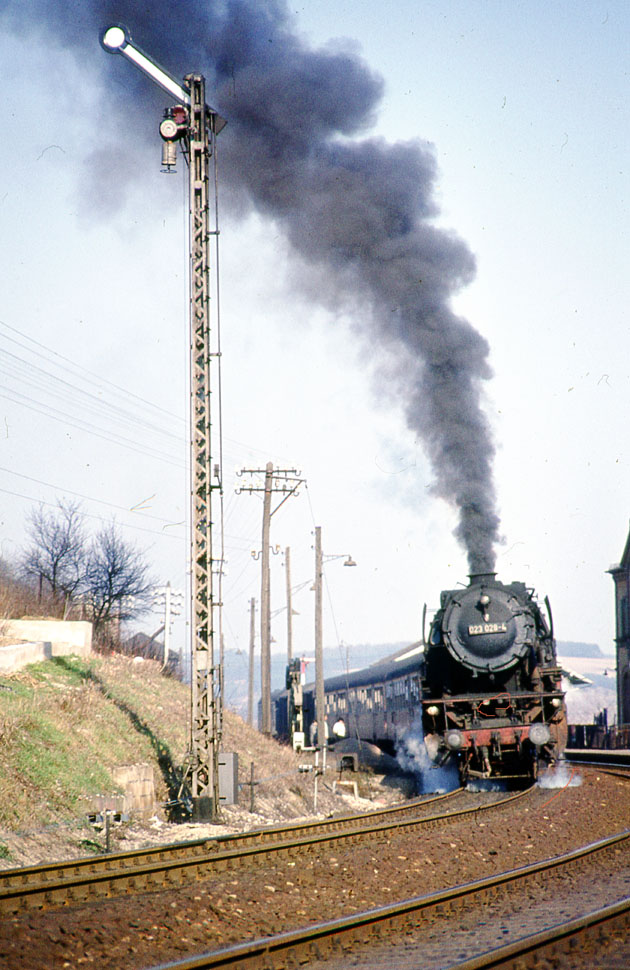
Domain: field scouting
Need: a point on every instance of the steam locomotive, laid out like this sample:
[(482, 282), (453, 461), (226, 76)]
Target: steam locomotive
[(492, 697), (483, 691)]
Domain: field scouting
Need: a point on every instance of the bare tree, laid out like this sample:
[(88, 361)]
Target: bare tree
[(56, 555), (117, 580), (17, 596)]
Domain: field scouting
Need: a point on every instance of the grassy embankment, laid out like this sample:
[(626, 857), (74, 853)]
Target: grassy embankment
[(65, 723)]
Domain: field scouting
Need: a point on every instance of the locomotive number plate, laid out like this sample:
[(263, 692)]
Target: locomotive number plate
[(477, 628)]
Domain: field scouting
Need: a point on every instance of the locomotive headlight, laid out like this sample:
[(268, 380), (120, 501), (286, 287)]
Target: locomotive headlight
[(454, 740), (556, 702), (433, 711), (484, 603), (539, 734)]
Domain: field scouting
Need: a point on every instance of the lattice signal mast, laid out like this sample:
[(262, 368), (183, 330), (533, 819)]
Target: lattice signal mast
[(194, 125)]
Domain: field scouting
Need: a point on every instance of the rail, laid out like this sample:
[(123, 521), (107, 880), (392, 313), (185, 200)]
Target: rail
[(323, 940), (530, 950), (76, 882)]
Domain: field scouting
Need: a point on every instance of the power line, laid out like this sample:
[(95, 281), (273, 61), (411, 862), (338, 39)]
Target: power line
[(88, 498), (57, 415), (84, 370), (80, 371), (91, 515), (108, 408), (168, 523)]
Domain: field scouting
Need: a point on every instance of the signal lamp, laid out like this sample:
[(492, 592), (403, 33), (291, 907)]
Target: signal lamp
[(114, 38)]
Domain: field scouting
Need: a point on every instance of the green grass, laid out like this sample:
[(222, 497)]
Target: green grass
[(67, 722)]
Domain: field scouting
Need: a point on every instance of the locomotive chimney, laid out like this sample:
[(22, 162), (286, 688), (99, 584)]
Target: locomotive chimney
[(478, 579)]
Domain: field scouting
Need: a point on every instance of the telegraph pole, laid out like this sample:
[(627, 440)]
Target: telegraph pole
[(287, 565), (252, 643), (193, 124), (285, 482), (265, 606), (320, 708), (171, 601)]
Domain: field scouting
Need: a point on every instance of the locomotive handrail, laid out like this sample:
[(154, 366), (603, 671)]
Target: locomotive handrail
[(550, 615)]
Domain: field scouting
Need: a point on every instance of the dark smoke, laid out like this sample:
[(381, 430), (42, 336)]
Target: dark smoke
[(358, 211)]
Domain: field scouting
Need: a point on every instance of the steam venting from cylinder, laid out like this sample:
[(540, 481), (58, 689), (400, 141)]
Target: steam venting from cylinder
[(358, 211)]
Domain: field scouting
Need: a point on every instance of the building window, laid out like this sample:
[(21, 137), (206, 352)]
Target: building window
[(622, 622)]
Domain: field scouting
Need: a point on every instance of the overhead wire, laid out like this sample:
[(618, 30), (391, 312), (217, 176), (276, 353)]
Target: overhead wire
[(57, 415), (90, 515), (84, 370), (50, 383), (90, 400), (88, 498)]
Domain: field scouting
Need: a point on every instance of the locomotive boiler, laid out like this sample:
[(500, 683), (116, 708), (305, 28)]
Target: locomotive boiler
[(491, 686)]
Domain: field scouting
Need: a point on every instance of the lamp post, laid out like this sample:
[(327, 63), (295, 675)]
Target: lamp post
[(320, 703)]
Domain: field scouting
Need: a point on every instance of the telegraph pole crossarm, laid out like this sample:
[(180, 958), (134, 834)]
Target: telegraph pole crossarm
[(285, 476)]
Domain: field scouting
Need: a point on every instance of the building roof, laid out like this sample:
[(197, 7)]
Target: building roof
[(624, 563)]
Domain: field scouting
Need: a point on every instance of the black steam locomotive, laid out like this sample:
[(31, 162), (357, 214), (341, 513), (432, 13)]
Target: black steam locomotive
[(492, 698), (484, 690)]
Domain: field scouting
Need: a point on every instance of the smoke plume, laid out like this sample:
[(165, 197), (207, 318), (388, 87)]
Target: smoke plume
[(356, 209)]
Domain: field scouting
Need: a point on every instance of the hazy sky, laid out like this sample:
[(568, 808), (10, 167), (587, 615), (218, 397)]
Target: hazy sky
[(526, 106)]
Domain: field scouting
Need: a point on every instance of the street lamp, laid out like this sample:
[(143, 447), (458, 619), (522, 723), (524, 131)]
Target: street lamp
[(320, 703)]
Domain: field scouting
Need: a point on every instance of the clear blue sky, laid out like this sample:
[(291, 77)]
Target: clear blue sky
[(527, 107)]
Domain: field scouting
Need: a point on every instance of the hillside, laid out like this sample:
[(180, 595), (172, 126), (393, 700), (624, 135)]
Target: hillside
[(66, 724)]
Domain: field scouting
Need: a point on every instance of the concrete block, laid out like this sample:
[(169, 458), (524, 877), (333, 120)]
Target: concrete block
[(139, 786), (65, 637), (17, 655)]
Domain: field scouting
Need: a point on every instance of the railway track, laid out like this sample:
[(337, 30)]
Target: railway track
[(165, 867), (620, 769), (201, 847), (584, 941), (332, 943)]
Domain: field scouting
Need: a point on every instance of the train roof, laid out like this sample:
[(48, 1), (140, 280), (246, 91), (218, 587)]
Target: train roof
[(397, 664), (407, 660)]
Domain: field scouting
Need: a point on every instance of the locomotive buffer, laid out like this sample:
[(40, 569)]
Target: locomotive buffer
[(194, 125)]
